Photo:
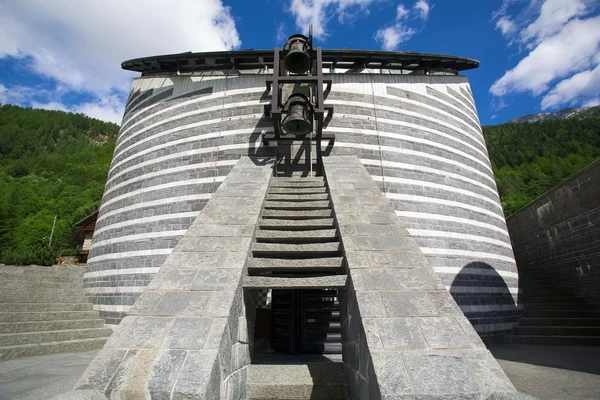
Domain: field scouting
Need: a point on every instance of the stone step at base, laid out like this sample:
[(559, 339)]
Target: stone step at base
[(41, 292), (320, 282), (298, 197), (560, 322), (14, 284), (297, 214), (13, 339), (559, 314), (296, 224), (551, 299), (318, 381), (37, 326), (305, 264), (294, 183), (310, 250), (297, 190), (557, 330), (59, 274), (46, 316), (279, 236), (35, 349), (40, 298), (297, 205), (553, 340), (39, 307), (560, 306), (298, 179)]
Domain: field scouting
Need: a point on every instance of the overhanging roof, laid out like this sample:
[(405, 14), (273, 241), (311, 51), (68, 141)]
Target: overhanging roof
[(257, 59)]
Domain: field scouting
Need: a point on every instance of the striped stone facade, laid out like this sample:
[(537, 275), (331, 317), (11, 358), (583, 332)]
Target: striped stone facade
[(418, 136)]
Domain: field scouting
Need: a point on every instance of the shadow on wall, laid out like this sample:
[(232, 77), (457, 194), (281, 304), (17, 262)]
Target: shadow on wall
[(484, 298)]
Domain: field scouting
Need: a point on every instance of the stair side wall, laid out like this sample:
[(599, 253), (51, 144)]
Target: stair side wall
[(188, 335), (403, 334), (556, 238)]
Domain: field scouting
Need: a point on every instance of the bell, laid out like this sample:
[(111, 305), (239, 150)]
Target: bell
[(297, 59), (296, 120)]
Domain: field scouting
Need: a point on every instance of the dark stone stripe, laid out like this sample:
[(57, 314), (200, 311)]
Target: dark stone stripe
[(448, 99), (139, 228), (132, 262), (462, 99)]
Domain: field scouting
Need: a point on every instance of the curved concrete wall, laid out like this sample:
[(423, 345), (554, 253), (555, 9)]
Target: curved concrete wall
[(418, 136)]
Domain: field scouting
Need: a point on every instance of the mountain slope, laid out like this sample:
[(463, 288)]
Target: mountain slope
[(51, 163), (567, 113)]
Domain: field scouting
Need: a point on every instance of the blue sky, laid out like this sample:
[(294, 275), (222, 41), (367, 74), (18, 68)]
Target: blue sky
[(535, 55)]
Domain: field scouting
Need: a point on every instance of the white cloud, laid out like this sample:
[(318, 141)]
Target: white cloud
[(399, 32), (392, 36), (561, 44), (319, 12), (422, 8), (583, 84), (81, 44), (506, 26), (592, 102)]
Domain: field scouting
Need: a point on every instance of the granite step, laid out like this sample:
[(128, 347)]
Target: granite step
[(557, 330), (293, 183), (46, 316), (13, 339), (305, 264), (560, 306), (551, 299), (297, 214), (40, 298), (297, 205), (57, 274), (553, 340), (34, 349), (297, 190), (279, 236), (15, 284), (560, 314), (559, 322), (37, 326), (39, 292), (310, 250), (320, 282), (33, 307), (300, 224), (318, 381), (298, 197)]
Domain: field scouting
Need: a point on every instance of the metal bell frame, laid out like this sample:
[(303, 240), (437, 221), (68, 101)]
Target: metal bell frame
[(314, 78)]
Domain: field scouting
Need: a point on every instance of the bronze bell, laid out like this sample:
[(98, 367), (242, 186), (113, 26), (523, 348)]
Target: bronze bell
[(297, 121), (297, 59)]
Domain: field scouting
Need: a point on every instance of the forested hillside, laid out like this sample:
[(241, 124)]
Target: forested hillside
[(530, 158), (51, 163)]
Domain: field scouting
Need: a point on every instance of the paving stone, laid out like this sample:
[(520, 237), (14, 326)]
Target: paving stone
[(182, 303), (188, 333), (379, 279), (165, 372), (391, 376), (443, 333), (199, 377), (400, 334), (263, 282), (408, 304)]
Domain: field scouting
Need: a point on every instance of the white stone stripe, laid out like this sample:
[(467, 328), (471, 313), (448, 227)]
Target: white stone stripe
[(213, 96), (411, 167), (127, 254), (190, 114), (154, 203), (421, 128), (435, 108), (412, 139), (466, 254), (413, 182), (191, 139), (144, 220), (448, 218), (184, 153), (412, 153), (456, 235), (480, 289), (110, 308), (141, 236), (476, 271), (170, 185), (477, 138), (449, 203), (114, 290), (126, 271), (173, 170), (469, 115)]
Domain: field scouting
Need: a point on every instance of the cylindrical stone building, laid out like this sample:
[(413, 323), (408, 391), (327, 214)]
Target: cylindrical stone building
[(409, 117)]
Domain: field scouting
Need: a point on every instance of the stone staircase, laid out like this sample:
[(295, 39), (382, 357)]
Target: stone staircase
[(553, 317), (43, 310), (297, 254)]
